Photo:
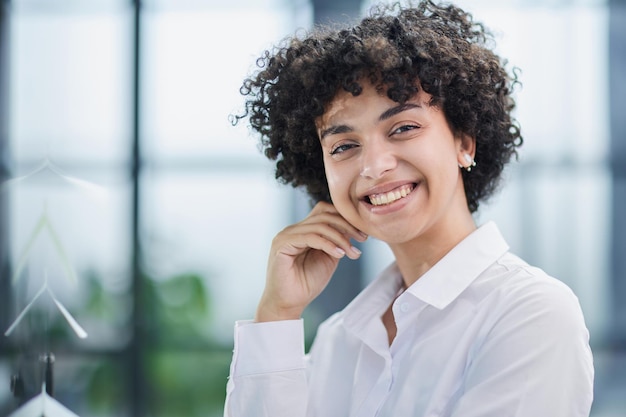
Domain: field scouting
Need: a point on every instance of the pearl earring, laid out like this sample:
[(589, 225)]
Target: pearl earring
[(470, 163)]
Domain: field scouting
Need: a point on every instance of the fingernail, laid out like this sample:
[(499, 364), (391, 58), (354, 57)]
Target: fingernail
[(340, 251), (355, 250)]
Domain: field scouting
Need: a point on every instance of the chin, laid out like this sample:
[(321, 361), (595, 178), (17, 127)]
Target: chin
[(392, 235)]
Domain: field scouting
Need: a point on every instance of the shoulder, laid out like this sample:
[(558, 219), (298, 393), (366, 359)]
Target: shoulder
[(531, 284), (519, 294), (531, 344)]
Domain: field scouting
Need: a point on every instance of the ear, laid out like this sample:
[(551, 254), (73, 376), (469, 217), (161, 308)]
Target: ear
[(466, 150)]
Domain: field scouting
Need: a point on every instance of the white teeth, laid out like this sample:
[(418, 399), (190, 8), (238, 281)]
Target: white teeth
[(391, 196)]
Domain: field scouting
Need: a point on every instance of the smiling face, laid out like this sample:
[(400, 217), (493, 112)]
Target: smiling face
[(393, 170)]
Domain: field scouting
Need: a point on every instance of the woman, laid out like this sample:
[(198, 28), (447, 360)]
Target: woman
[(398, 128)]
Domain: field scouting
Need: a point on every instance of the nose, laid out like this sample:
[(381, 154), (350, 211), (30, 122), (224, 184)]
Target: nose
[(377, 158)]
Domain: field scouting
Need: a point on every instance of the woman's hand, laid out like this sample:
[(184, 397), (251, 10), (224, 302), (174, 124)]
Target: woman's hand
[(302, 260)]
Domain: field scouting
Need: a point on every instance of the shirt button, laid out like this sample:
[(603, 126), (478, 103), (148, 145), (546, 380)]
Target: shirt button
[(404, 307)]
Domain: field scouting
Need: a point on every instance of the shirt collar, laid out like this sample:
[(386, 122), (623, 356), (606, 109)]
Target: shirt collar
[(439, 286), (374, 300), (449, 277)]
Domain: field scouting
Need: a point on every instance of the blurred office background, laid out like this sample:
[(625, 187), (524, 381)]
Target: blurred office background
[(128, 200)]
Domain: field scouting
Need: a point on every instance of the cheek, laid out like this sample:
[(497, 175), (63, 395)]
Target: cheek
[(338, 183), (334, 185)]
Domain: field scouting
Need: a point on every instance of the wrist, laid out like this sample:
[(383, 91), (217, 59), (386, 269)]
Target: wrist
[(265, 313)]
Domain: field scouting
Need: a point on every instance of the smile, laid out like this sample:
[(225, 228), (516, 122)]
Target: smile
[(391, 196)]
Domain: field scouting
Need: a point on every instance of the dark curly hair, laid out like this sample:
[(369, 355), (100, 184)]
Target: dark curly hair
[(438, 48)]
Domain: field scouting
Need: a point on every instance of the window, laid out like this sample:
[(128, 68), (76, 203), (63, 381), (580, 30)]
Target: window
[(134, 207), (129, 200)]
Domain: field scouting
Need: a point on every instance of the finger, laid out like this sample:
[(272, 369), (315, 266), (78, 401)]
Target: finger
[(337, 221), (299, 244), (322, 207), (329, 232)]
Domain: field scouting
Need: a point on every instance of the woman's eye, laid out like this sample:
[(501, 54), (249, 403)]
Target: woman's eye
[(342, 148), (404, 128)]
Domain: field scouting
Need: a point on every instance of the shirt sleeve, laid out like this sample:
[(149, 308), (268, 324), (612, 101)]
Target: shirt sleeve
[(534, 361), (268, 371)]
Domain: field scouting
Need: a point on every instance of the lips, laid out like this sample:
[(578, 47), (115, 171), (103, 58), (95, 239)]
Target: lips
[(388, 197)]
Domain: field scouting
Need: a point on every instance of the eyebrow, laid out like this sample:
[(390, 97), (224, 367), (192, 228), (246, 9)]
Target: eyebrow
[(395, 110), (335, 130), (387, 114)]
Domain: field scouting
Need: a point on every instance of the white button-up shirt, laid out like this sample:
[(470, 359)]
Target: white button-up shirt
[(481, 334)]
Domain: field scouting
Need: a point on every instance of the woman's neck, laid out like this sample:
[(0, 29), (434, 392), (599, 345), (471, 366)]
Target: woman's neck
[(416, 257)]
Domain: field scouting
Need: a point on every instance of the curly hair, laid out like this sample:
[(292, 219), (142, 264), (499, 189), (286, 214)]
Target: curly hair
[(437, 48)]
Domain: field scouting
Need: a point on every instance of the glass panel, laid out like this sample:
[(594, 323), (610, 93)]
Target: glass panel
[(562, 118), (70, 95), (610, 381), (92, 386), (169, 5), (85, 386), (69, 6), (190, 384), (193, 66), (6, 399), (73, 240), (218, 227)]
